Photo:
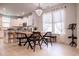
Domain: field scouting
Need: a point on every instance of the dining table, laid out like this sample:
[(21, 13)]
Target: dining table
[(20, 34)]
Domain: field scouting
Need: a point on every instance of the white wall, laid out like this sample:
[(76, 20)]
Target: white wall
[(70, 17), (38, 22), (78, 25)]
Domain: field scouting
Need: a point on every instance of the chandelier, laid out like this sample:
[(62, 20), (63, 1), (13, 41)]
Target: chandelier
[(39, 10)]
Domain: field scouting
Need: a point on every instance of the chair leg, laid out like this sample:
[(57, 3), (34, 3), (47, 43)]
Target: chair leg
[(46, 42), (25, 43), (39, 44), (30, 45), (42, 41), (19, 42), (34, 46)]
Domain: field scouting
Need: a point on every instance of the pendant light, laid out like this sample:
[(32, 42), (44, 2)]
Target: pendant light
[(39, 10)]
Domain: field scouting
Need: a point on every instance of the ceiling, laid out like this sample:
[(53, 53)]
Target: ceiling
[(19, 9)]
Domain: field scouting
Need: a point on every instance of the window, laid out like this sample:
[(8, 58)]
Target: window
[(54, 22), (58, 21), (29, 20), (47, 22), (5, 22)]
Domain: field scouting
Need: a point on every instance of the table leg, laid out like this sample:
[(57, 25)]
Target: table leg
[(50, 41), (19, 42)]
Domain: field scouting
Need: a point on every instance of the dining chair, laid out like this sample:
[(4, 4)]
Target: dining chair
[(11, 36), (44, 40), (35, 39), (47, 38), (22, 37)]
